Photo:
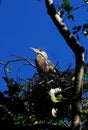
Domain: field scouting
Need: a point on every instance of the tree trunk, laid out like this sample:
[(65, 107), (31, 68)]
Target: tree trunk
[(79, 62)]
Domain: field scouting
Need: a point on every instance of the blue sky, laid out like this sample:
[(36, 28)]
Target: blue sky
[(25, 24)]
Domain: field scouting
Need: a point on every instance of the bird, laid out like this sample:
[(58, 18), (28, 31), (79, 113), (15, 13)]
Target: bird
[(44, 66)]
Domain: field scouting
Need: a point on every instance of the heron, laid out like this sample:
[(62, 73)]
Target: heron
[(43, 64)]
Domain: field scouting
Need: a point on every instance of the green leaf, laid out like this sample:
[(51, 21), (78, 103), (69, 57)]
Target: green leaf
[(59, 97), (85, 26), (71, 17), (67, 5), (66, 2), (86, 33), (77, 28), (86, 75), (74, 28)]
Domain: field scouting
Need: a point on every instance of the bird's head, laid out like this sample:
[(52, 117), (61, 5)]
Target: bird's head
[(40, 52)]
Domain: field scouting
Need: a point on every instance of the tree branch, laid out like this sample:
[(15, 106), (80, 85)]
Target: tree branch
[(70, 40), (17, 60), (79, 62)]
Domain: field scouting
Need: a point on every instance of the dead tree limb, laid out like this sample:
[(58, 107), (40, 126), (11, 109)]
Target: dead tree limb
[(79, 61)]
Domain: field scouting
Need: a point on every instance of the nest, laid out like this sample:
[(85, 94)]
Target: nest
[(42, 101)]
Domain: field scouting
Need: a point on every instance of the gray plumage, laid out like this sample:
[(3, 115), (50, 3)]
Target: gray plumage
[(44, 66)]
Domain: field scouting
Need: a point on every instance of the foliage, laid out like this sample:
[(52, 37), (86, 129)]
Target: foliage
[(79, 28), (66, 7), (27, 103), (66, 10)]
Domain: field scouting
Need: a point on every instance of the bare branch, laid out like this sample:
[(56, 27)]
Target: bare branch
[(17, 60)]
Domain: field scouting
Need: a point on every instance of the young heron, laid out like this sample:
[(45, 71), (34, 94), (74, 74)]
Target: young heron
[(44, 66)]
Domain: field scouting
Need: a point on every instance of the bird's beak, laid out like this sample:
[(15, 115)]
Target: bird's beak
[(35, 50)]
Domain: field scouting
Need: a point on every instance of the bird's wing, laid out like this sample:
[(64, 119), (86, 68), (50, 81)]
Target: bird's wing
[(52, 67)]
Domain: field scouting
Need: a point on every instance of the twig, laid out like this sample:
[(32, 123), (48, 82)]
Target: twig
[(16, 60), (2, 63)]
